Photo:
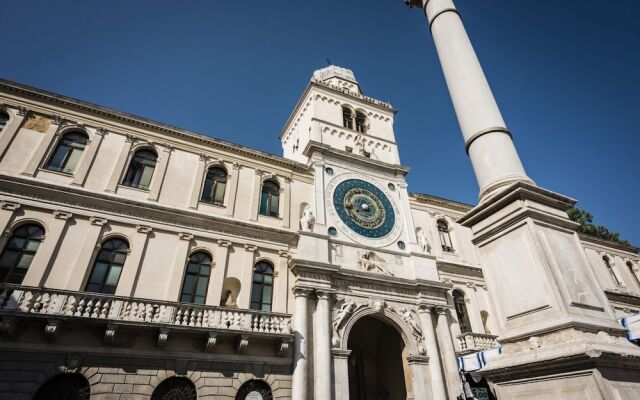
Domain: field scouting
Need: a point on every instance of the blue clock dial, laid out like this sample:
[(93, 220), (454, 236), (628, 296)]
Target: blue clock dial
[(364, 208)]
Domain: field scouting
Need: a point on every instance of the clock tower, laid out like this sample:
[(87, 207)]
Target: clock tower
[(357, 245)]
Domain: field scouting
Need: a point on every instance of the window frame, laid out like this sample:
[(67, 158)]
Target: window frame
[(258, 286), (360, 121), (22, 250), (462, 312), (211, 200), (110, 265), (444, 234), (63, 140), (134, 181), (631, 267), (270, 210), (612, 273), (4, 124), (348, 116), (198, 277)]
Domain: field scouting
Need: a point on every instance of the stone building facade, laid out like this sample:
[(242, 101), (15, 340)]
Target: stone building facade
[(143, 261)]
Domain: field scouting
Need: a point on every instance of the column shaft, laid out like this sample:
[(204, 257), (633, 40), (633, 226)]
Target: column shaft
[(89, 156), (449, 361), (322, 348), (431, 345), (214, 295), (301, 347), (11, 129), (78, 270), (119, 166), (38, 156), (488, 142)]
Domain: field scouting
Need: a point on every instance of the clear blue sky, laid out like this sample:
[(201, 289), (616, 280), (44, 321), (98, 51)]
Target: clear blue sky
[(565, 73)]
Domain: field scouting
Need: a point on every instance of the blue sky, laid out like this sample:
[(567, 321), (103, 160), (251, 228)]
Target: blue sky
[(565, 76)]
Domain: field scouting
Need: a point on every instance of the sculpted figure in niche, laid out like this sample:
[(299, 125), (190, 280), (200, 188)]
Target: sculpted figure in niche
[(423, 243), (229, 300), (345, 311), (371, 262), (307, 219)]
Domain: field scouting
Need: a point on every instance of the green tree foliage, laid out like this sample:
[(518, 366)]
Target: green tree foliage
[(585, 219)]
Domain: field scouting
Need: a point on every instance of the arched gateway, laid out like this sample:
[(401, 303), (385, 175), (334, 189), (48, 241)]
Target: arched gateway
[(377, 363)]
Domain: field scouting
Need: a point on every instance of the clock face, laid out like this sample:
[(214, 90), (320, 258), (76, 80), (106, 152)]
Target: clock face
[(364, 208)]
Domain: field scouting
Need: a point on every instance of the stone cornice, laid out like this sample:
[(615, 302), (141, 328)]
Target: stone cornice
[(609, 244), (314, 146), (440, 201), (625, 298), (123, 117), (460, 269), (80, 199)]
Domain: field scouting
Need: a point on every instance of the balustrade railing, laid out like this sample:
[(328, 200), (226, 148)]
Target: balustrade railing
[(50, 302), (472, 342)]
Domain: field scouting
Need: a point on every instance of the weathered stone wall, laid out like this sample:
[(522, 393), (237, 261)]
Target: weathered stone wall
[(22, 373)]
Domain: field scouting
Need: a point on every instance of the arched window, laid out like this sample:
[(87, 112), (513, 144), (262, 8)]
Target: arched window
[(262, 289), (140, 169), (461, 311), (347, 117), (67, 153), (445, 236), (175, 388), (196, 279), (254, 389), (64, 387), (4, 118), (108, 267), (361, 120), (270, 199), (612, 273), (19, 252), (633, 273), (215, 184)]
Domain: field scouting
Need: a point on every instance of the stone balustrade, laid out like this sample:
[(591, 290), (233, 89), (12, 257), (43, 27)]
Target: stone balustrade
[(15, 299), (473, 342)]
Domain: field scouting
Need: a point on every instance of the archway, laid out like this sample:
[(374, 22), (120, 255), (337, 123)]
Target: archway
[(376, 363), (65, 387), (175, 388), (254, 390)]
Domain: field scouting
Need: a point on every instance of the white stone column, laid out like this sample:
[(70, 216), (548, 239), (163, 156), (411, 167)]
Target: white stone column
[(46, 254), (322, 346), (38, 157), (431, 346), (89, 156), (129, 276), (232, 180), (197, 181), (285, 202), (179, 263), (160, 172), (341, 373), (255, 195), (487, 140), (448, 354), (7, 211), (299, 386), (120, 164), (10, 130), (78, 271), (214, 294), (246, 276), (419, 366)]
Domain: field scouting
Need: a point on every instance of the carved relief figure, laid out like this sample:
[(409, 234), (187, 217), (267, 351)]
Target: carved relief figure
[(369, 262), (345, 311), (307, 220), (408, 317), (229, 300)]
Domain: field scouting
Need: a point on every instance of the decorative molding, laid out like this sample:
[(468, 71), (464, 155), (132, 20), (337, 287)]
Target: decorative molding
[(283, 347), (163, 336), (185, 236), (250, 248), (62, 215), (10, 206), (110, 334), (224, 243), (23, 111), (52, 328), (211, 341), (243, 343), (144, 229), (57, 120), (98, 221)]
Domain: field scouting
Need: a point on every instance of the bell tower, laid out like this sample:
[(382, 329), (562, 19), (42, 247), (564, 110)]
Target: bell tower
[(333, 112)]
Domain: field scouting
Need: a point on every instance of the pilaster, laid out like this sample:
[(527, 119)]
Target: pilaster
[(233, 188), (7, 214), (160, 172), (89, 156), (255, 194), (38, 156), (198, 179), (244, 297), (180, 261), (120, 164), (16, 119), (131, 271), (85, 255), (219, 273)]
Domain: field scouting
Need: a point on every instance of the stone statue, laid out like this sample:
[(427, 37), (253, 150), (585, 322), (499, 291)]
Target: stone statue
[(307, 219), (360, 142), (423, 242), (229, 300), (369, 262), (408, 317)]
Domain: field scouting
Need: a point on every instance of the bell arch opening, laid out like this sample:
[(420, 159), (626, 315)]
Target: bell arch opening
[(377, 366)]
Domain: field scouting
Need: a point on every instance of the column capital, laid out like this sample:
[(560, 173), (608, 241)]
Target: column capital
[(224, 243), (185, 236), (62, 215), (300, 291), (250, 248), (441, 310), (97, 221), (144, 229), (7, 205), (324, 294), (425, 308), (339, 353)]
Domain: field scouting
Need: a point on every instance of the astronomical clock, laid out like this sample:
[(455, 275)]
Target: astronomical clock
[(364, 209)]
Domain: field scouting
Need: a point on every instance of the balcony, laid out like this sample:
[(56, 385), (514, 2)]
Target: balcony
[(58, 306), (474, 342)]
